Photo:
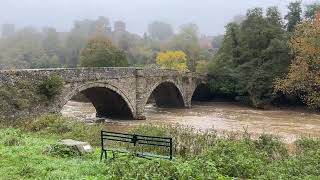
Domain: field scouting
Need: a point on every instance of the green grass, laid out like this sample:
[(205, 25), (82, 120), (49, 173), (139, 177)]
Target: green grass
[(30, 151)]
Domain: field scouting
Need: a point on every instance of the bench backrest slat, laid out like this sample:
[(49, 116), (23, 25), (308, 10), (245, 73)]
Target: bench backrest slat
[(152, 144)]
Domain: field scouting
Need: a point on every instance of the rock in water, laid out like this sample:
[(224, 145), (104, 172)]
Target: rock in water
[(83, 147)]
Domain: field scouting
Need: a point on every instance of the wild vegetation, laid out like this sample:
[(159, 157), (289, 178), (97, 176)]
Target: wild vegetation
[(255, 54), (25, 94), (29, 150)]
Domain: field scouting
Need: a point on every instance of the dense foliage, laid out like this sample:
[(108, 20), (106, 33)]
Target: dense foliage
[(257, 51), (30, 48), (51, 86), (176, 60), (18, 98), (30, 150), (303, 78), (253, 54), (99, 52)]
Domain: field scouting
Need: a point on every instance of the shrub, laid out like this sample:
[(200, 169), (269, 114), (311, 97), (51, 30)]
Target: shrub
[(12, 137), (235, 158), (61, 150), (51, 86), (272, 146), (305, 144), (48, 124), (18, 97), (187, 141)]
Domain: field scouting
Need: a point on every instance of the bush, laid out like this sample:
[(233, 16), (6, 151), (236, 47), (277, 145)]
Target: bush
[(48, 124), (17, 98), (12, 137), (61, 150), (51, 86), (187, 141), (272, 146), (235, 158), (305, 144)]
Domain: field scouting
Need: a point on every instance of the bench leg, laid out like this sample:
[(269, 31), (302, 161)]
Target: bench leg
[(101, 155)]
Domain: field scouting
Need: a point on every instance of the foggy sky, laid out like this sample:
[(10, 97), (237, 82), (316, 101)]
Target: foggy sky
[(210, 15)]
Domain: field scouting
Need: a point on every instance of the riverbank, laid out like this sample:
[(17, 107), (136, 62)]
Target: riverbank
[(24, 154)]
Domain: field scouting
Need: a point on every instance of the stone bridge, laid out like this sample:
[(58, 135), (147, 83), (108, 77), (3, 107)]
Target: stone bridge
[(117, 92)]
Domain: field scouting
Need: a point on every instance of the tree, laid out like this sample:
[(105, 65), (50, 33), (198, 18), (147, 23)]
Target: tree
[(160, 30), (138, 56), (294, 15), (311, 10), (303, 79), (187, 41), (252, 55), (172, 60), (21, 49), (51, 42), (99, 52)]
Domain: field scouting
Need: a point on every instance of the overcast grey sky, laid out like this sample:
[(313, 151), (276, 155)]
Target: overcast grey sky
[(210, 15)]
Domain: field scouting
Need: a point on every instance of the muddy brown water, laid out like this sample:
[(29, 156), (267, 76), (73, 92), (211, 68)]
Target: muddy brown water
[(289, 124)]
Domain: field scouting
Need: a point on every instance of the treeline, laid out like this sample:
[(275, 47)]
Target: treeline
[(265, 60), (30, 48)]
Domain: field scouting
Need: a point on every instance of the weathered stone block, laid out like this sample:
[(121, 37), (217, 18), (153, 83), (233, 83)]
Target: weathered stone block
[(83, 147)]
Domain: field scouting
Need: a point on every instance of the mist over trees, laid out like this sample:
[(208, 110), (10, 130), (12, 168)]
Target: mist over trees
[(245, 64)]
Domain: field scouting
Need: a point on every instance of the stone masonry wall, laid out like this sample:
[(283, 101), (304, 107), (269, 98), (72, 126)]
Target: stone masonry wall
[(134, 85)]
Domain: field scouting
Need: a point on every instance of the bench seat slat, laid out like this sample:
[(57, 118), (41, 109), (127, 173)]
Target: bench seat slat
[(153, 155), (118, 150)]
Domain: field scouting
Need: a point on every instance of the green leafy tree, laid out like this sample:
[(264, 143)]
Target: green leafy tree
[(294, 15), (100, 52), (311, 10), (160, 30), (252, 55), (187, 41)]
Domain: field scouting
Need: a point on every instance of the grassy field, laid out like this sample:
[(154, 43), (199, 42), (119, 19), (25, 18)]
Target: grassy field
[(29, 150)]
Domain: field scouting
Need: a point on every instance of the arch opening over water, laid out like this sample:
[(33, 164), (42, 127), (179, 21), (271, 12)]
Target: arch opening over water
[(202, 93), (106, 102), (167, 95)]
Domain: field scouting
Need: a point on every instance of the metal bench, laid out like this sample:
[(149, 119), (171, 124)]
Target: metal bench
[(135, 140)]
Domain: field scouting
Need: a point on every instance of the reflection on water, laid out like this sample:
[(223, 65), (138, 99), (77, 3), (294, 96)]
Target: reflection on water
[(289, 124)]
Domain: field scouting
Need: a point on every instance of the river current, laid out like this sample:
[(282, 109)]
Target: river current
[(289, 124)]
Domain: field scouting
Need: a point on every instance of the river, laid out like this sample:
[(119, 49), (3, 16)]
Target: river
[(289, 124)]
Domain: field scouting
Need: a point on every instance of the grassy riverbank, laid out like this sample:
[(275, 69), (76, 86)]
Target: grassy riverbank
[(29, 151)]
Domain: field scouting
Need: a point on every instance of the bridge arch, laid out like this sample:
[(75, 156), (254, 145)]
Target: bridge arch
[(201, 92), (108, 100), (166, 93)]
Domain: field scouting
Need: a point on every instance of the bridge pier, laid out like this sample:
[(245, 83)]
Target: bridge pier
[(140, 88)]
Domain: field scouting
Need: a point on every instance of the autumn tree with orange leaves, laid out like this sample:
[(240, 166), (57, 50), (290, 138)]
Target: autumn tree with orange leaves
[(303, 78)]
